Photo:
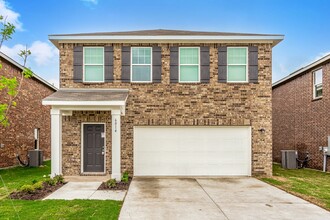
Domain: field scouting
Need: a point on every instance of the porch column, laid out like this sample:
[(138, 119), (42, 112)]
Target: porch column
[(56, 142), (116, 154)]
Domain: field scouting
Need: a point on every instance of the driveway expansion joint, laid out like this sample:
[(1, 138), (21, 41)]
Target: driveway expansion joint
[(212, 200)]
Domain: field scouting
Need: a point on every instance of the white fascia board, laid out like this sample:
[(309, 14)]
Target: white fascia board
[(84, 103), (56, 39), (167, 37)]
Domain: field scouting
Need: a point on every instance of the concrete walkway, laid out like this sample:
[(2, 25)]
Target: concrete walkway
[(221, 198), (86, 190)]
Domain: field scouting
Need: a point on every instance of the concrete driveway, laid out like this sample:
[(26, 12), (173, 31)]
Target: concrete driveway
[(220, 198)]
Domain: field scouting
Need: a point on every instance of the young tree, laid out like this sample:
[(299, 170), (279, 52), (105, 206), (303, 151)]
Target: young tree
[(11, 86)]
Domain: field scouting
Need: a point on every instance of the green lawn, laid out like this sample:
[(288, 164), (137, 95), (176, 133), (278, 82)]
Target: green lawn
[(51, 209), (14, 178), (311, 185)]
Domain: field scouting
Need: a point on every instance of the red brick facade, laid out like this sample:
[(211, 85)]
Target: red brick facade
[(299, 121), (29, 114)]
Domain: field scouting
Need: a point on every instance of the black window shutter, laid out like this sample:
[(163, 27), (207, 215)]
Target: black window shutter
[(205, 64), (156, 64), (108, 64), (174, 64), (126, 64), (78, 60), (253, 64), (222, 64)]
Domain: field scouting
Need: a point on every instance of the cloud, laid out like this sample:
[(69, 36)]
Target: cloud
[(55, 82), (283, 68), (10, 15), (94, 2), (42, 53), (314, 59), (319, 56), (13, 52)]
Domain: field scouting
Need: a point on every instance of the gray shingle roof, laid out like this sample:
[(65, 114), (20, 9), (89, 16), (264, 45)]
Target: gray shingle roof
[(161, 35), (88, 95), (164, 32)]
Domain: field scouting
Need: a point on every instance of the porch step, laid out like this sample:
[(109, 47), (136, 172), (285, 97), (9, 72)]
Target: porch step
[(93, 174), (89, 178)]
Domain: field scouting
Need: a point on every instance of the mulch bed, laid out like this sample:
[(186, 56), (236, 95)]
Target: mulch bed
[(119, 186), (37, 194)]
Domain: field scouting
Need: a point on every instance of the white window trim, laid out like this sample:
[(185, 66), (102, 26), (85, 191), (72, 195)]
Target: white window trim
[(102, 81), (314, 85), (131, 68), (247, 66), (199, 66)]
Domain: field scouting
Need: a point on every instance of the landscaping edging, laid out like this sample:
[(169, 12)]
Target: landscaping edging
[(37, 194), (38, 190), (119, 186)]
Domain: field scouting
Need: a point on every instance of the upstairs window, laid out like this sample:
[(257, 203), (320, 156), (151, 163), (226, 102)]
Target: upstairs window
[(189, 64), (317, 83), (93, 64), (237, 61), (141, 70)]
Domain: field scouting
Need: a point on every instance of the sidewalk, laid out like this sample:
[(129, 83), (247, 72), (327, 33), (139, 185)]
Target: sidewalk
[(86, 190)]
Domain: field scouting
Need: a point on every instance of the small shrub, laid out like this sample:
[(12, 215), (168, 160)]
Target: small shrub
[(55, 180), (125, 177), (58, 179), (34, 181), (111, 183), (28, 188), (51, 182), (38, 185)]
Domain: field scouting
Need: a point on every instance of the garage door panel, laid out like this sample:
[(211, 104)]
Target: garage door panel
[(192, 151)]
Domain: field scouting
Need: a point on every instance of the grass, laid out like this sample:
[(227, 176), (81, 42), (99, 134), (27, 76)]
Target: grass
[(311, 185), (14, 178), (60, 209)]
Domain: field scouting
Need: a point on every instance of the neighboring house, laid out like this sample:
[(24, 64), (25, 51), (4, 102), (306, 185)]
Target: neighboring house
[(163, 103), (28, 115), (301, 103)]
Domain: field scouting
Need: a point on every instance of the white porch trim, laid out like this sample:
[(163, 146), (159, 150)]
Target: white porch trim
[(56, 142), (116, 152), (56, 134)]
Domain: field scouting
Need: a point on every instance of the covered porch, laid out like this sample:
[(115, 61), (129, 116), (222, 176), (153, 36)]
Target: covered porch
[(64, 103)]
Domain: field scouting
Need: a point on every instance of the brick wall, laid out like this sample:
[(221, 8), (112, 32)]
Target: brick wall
[(299, 122), (29, 114), (165, 103)]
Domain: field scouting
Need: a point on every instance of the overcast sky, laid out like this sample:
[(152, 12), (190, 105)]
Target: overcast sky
[(305, 25)]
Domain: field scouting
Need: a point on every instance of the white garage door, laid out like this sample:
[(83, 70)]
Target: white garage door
[(192, 151)]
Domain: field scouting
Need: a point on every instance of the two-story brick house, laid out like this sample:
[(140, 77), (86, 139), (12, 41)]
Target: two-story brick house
[(163, 103), (301, 116), (29, 115)]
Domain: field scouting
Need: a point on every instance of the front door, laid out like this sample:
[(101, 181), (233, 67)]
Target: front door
[(94, 147)]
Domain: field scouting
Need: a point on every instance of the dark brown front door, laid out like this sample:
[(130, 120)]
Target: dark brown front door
[(93, 148)]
